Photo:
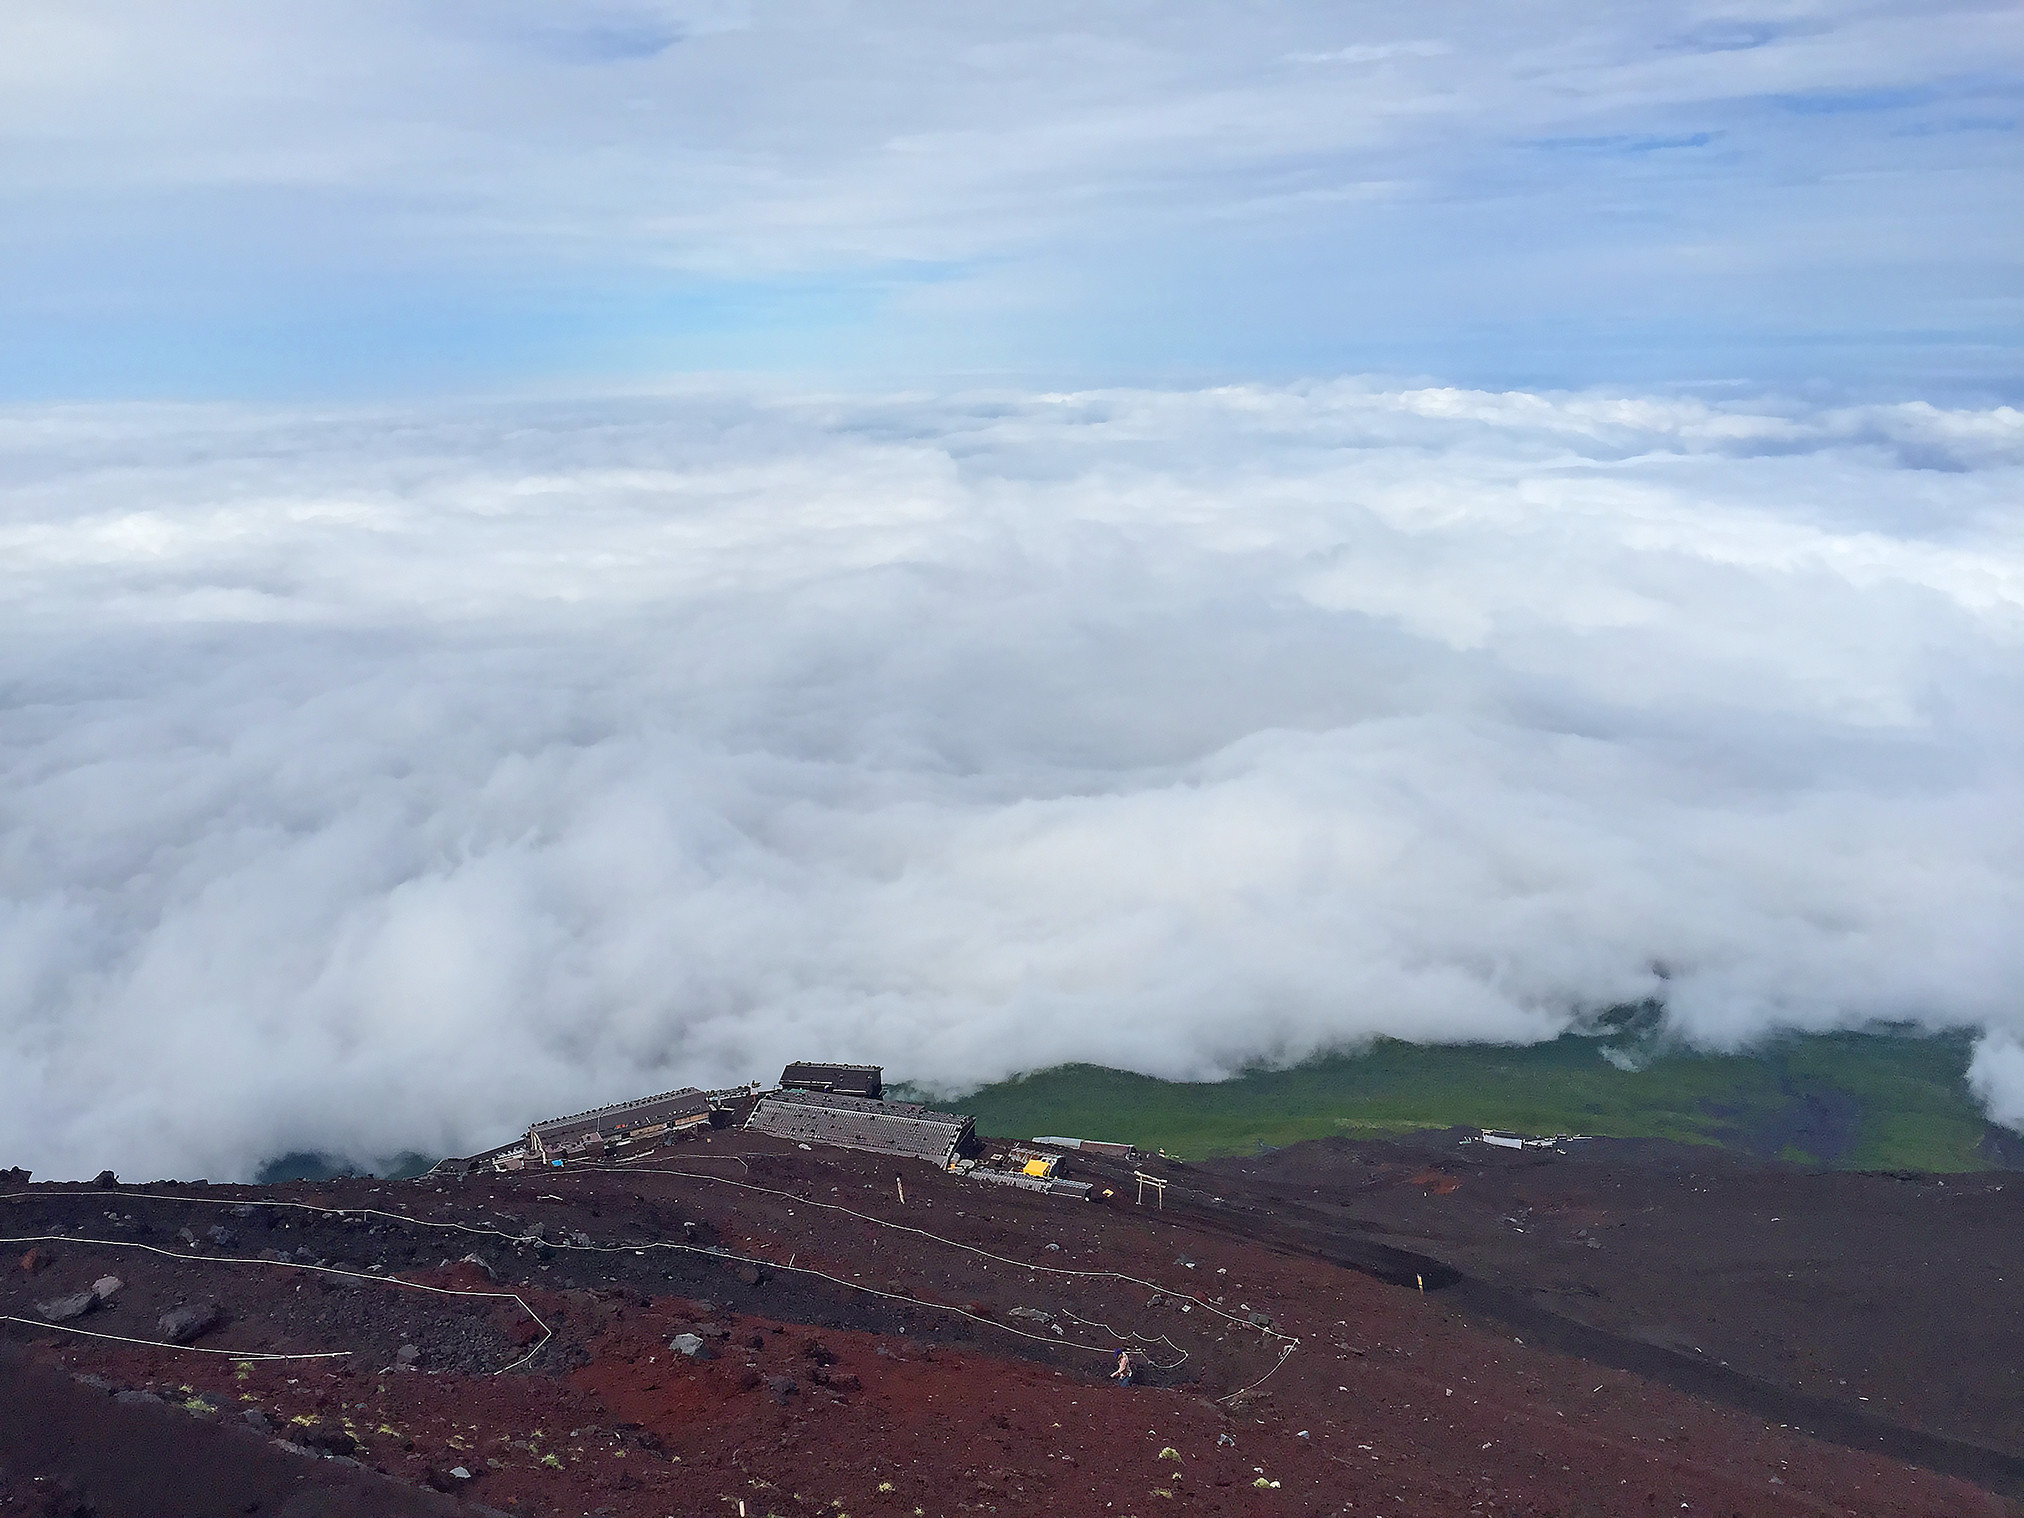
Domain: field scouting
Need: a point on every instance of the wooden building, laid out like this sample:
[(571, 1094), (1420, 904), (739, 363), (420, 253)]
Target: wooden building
[(851, 1122)]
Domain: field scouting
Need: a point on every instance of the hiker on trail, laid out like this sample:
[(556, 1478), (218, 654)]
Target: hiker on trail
[(1122, 1375)]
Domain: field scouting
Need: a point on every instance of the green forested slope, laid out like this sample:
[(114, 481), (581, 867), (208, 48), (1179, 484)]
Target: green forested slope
[(1860, 1101)]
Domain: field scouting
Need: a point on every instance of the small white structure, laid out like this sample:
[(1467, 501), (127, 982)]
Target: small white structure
[(1502, 1140), (1089, 1146)]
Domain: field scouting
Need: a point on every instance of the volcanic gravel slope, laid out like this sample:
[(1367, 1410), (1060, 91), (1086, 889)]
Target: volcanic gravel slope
[(866, 1354), (1875, 1303)]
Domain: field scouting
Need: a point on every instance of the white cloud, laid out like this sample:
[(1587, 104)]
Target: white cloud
[(1996, 1074), (384, 780)]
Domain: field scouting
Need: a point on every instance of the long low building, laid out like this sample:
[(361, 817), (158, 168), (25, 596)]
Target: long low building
[(851, 1122), (644, 1118), (867, 1081)]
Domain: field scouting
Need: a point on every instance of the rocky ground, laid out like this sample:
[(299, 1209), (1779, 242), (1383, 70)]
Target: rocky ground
[(733, 1325)]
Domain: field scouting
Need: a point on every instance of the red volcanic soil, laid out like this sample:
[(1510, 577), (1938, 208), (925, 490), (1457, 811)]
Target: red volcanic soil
[(944, 1354)]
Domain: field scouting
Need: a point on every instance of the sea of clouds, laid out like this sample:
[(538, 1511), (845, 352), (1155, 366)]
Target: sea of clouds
[(374, 781)]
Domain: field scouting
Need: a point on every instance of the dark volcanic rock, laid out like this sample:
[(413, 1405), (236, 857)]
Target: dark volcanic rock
[(331, 1441), (182, 1324), (64, 1309)]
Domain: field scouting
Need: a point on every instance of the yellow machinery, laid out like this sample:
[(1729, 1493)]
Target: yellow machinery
[(1032, 1162)]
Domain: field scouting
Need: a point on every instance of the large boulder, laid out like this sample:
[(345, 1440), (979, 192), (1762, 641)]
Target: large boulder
[(331, 1441), (64, 1309), (182, 1324)]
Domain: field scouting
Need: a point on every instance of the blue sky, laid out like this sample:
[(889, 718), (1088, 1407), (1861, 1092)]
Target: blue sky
[(243, 200)]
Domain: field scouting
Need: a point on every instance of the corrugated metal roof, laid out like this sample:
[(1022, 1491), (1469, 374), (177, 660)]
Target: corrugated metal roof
[(850, 1122), (643, 1112)]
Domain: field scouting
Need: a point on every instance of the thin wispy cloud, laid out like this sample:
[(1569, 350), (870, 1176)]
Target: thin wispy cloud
[(1375, 52)]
